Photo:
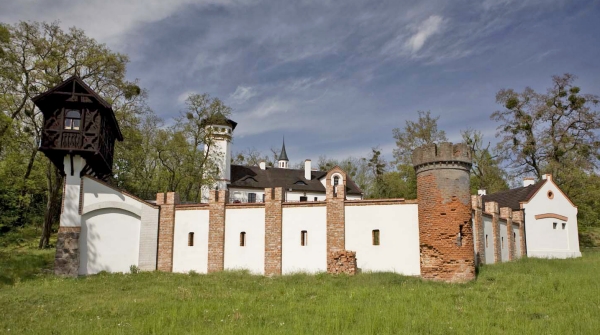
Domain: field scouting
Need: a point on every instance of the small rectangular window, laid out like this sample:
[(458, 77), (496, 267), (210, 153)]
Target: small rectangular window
[(303, 198), (263, 197), (503, 242), (564, 225), (554, 224), (303, 238), (190, 239), (486, 241), (243, 239), (252, 197), (375, 237), (316, 198)]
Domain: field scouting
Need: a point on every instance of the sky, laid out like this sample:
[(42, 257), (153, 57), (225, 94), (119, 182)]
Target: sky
[(336, 77)]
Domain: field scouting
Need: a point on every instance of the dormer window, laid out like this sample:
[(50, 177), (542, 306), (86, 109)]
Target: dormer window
[(72, 119)]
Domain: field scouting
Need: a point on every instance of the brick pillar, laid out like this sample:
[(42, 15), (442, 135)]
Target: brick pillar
[(518, 218), (506, 214), (166, 229), (478, 232), (336, 218), (445, 230), (216, 230), (273, 224), (492, 209)]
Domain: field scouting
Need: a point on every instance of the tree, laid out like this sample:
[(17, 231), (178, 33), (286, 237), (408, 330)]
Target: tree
[(34, 58), (486, 173), (554, 132), (413, 135)]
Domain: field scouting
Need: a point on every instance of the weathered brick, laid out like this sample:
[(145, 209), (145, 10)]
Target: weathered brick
[(216, 230), (166, 229), (273, 230)]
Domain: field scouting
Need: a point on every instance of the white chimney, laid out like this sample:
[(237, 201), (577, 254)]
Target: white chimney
[(547, 176), (481, 192), (307, 169), (528, 181), (263, 165)]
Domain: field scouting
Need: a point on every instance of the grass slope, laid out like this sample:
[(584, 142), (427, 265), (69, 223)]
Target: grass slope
[(530, 296)]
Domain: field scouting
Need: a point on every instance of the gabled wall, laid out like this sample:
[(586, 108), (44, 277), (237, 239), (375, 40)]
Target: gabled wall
[(541, 214)]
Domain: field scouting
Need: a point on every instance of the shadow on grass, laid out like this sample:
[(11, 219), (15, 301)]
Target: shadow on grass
[(16, 266)]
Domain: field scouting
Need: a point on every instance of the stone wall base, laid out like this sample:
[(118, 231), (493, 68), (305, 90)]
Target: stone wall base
[(343, 261), (66, 261)]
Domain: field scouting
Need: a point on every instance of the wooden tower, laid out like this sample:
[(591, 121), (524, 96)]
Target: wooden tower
[(77, 121)]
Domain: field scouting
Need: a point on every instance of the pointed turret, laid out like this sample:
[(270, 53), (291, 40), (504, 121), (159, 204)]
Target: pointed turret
[(283, 158)]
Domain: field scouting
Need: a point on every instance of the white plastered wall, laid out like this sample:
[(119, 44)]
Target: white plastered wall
[(504, 245), (488, 239), (251, 256), (109, 241), (543, 240), (311, 258), (69, 217), (187, 258), (398, 225), (100, 197)]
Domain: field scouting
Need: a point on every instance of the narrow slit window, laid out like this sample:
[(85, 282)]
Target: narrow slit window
[(243, 239), (190, 239), (564, 225), (252, 197), (514, 236), (554, 224), (375, 237), (502, 242), (486, 241), (303, 238)]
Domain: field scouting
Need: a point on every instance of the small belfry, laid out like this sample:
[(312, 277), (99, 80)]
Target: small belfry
[(283, 161)]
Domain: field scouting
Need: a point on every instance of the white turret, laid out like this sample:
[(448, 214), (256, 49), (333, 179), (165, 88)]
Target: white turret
[(220, 131)]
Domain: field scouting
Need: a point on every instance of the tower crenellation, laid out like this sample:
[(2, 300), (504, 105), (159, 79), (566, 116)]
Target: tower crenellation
[(445, 231)]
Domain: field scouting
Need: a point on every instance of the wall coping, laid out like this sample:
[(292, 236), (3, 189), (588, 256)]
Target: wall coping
[(121, 191), (394, 201)]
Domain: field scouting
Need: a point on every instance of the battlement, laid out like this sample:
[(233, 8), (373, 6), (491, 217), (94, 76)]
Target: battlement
[(440, 153)]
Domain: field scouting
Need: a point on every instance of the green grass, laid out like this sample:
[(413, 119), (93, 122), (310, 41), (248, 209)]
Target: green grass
[(20, 259), (530, 296)]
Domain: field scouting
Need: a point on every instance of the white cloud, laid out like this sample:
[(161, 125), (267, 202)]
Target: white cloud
[(243, 94), (432, 25)]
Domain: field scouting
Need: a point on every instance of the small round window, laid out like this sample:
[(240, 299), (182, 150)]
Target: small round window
[(550, 195)]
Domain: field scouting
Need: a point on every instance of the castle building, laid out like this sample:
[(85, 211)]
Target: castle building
[(283, 220), (246, 184)]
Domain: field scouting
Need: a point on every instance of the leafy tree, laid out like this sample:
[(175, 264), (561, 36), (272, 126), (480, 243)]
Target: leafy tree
[(554, 132), (34, 58), (413, 135), (486, 173)]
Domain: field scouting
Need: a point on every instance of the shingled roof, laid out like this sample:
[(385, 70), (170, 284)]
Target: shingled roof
[(255, 177), (512, 198)]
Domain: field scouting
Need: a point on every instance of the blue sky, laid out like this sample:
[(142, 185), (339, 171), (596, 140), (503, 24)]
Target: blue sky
[(335, 77)]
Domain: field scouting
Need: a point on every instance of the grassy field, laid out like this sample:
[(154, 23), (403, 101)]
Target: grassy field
[(530, 296)]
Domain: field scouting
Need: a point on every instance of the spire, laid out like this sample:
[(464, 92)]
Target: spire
[(283, 155)]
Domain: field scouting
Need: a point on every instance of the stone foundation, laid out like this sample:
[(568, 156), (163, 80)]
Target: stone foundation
[(66, 261), (343, 261)]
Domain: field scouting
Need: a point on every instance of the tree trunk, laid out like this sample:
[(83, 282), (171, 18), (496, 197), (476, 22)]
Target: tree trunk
[(21, 214), (53, 205)]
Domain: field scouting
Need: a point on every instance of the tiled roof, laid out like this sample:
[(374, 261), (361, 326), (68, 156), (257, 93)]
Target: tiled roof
[(254, 177), (513, 197)]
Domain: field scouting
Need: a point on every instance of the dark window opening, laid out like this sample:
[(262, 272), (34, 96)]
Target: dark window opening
[(486, 241), (376, 237), (564, 225), (72, 119), (502, 242), (336, 180), (251, 197), (190, 239), (263, 198), (304, 238), (554, 224), (243, 239), (303, 198), (316, 198)]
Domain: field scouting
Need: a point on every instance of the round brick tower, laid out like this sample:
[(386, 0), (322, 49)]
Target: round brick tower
[(443, 193)]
